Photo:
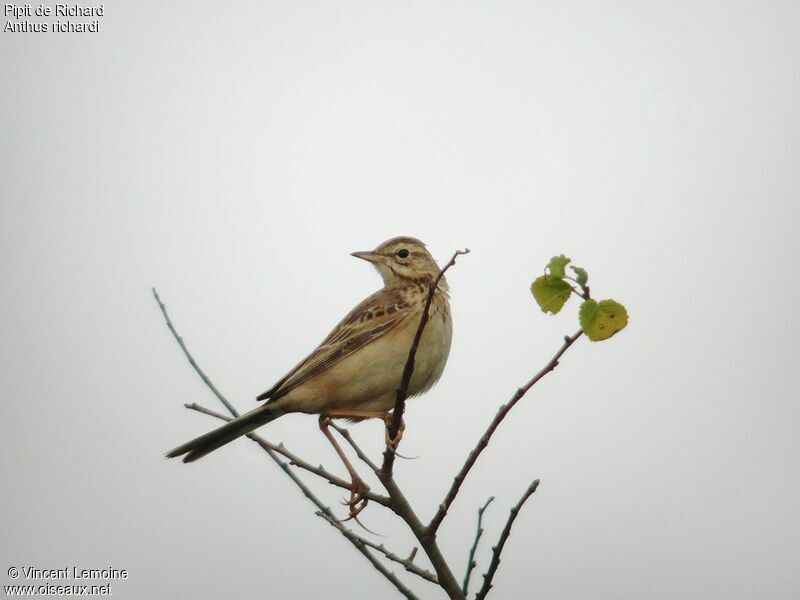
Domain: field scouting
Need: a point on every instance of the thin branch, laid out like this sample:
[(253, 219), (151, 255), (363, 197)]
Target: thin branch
[(294, 460), (408, 370), (498, 549), (484, 441), (399, 503), (188, 355), (324, 510), (207, 411), (391, 577), (408, 563), (471, 564), (359, 452), (273, 451)]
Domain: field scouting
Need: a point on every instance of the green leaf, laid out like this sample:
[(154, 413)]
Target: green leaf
[(581, 276), (550, 292), (600, 320), (557, 265)]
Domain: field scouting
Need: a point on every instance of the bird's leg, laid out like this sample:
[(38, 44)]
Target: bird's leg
[(386, 416), (358, 489)]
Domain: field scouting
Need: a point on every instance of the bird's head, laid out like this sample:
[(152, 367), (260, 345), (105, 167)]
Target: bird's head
[(402, 260)]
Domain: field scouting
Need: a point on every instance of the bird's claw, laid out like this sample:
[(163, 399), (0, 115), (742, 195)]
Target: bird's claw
[(392, 443), (358, 498)]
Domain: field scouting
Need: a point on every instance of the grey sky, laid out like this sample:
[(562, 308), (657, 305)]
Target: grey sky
[(233, 156)]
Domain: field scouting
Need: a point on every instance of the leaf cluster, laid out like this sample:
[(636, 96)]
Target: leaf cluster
[(599, 320)]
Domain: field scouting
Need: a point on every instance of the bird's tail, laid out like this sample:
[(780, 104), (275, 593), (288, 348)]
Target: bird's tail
[(199, 447)]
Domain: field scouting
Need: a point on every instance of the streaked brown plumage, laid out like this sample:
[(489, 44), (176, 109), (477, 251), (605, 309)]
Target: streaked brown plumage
[(355, 371)]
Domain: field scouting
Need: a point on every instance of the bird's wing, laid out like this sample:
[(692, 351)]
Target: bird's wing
[(372, 318)]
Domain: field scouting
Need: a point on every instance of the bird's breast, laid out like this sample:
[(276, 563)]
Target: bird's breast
[(368, 379)]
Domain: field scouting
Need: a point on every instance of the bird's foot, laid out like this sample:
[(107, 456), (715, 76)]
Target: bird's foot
[(358, 498), (392, 443)]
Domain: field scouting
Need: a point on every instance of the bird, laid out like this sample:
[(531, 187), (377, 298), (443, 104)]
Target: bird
[(355, 371)]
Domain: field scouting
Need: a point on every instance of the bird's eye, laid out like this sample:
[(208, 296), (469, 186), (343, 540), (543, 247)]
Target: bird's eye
[(402, 253)]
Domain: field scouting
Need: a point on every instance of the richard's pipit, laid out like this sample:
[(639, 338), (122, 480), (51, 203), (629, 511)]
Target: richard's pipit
[(356, 370)]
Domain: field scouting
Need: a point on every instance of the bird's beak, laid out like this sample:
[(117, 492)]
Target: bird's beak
[(369, 256)]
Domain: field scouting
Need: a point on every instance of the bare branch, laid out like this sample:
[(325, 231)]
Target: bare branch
[(484, 441), (408, 563), (294, 460), (207, 411), (408, 370), (192, 362), (359, 452), (362, 546), (498, 549), (471, 564)]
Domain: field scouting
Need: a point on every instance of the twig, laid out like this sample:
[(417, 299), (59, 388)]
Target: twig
[(391, 577), (471, 564), (192, 362), (484, 441), (294, 460), (359, 452), (498, 549), (408, 370), (408, 563)]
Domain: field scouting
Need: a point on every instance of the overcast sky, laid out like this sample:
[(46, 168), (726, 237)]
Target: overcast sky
[(233, 155)]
